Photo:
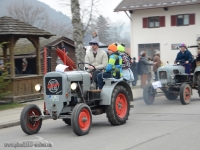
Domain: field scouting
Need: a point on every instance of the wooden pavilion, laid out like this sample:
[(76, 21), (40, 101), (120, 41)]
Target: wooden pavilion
[(11, 30)]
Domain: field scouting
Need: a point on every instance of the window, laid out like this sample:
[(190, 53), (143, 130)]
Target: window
[(149, 48), (154, 22), (183, 20)]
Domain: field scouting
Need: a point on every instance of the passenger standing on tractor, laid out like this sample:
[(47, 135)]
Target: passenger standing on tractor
[(114, 67), (185, 57), (96, 57)]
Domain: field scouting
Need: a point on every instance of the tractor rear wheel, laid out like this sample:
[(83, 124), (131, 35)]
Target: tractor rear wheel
[(81, 119), (149, 94), (171, 96), (118, 111), (185, 94), (28, 114), (67, 121)]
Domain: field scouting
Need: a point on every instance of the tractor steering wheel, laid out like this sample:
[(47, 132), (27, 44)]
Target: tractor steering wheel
[(84, 64)]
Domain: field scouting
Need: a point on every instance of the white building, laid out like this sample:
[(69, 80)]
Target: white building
[(162, 25)]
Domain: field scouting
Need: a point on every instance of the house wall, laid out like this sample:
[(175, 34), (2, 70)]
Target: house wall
[(165, 35)]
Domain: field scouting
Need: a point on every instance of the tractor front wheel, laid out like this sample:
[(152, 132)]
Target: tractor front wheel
[(149, 94), (81, 119), (185, 94), (28, 124), (118, 111)]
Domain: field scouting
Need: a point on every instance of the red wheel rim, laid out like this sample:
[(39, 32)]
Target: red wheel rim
[(187, 94), (121, 105), (33, 125), (84, 119)]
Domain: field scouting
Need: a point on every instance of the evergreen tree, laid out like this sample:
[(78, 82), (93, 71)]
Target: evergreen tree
[(103, 30)]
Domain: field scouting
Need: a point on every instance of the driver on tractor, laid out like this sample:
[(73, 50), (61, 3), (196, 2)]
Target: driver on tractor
[(114, 67), (185, 57), (96, 57)]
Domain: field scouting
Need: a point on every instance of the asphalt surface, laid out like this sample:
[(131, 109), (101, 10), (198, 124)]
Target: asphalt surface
[(165, 125)]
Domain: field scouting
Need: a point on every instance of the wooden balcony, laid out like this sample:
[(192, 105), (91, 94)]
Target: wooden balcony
[(23, 88)]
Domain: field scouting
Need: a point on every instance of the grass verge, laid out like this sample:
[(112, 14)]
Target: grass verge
[(11, 105)]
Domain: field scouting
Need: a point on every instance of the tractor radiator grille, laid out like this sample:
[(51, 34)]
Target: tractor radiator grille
[(162, 74)]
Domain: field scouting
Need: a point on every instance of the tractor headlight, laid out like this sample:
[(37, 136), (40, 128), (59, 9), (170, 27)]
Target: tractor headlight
[(38, 87), (172, 76), (74, 86)]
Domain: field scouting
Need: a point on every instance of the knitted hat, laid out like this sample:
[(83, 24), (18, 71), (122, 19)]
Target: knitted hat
[(121, 48), (182, 45), (112, 47)]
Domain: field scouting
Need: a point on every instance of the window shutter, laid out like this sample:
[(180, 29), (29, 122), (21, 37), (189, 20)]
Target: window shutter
[(192, 19), (173, 20), (162, 21), (145, 22)]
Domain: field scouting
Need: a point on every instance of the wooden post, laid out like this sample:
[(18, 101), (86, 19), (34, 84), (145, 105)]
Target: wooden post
[(36, 43), (38, 61), (12, 59), (45, 60)]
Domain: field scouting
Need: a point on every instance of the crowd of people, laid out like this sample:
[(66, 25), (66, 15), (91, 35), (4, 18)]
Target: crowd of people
[(119, 60)]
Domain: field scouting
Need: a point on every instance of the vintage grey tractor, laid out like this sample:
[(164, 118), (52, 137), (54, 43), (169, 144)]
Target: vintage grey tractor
[(174, 83), (67, 96)]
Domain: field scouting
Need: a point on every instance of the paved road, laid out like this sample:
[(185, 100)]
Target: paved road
[(165, 125)]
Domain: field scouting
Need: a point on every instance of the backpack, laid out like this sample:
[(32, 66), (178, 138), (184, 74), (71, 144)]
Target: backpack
[(126, 60)]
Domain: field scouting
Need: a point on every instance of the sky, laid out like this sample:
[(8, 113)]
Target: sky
[(106, 9)]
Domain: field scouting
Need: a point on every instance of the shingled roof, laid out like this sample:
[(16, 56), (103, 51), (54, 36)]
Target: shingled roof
[(127, 5), (10, 26)]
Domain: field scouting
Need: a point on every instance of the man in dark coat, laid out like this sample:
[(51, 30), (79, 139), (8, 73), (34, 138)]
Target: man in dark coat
[(134, 68), (185, 57)]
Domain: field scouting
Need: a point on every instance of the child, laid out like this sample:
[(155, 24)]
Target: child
[(113, 68)]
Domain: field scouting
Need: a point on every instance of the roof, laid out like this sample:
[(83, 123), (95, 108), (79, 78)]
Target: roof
[(127, 5), (10, 26), (24, 46)]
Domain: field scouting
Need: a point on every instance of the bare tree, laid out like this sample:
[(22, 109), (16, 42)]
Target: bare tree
[(88, 11), (78, 31), (27, 12), (34, 14)]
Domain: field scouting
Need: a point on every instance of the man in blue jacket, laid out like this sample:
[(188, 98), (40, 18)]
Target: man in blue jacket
[(185, 57)]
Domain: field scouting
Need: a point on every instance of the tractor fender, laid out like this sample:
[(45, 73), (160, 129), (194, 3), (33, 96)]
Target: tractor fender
[(197, 70), (107, 91)]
